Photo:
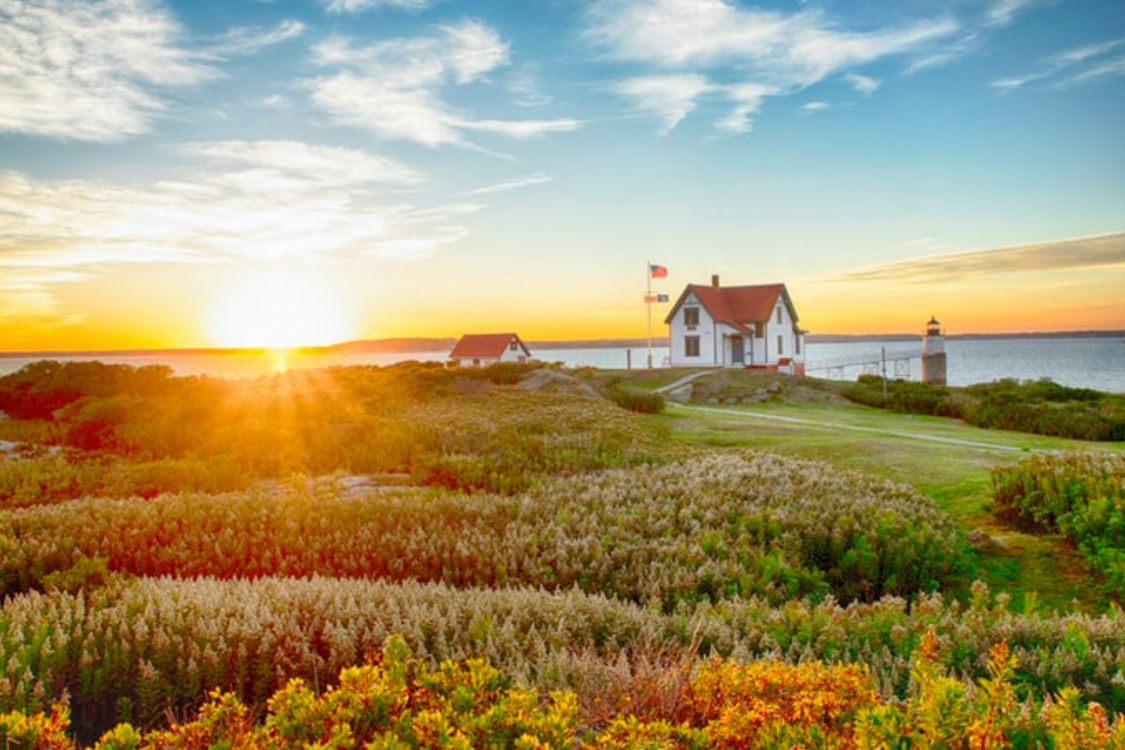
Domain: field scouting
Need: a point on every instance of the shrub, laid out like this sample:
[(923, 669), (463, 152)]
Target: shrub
[(635, 399), (1080, 495), (400, 702)]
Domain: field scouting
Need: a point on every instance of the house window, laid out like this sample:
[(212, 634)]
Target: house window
[(779, 315), (691, 316), (779, 341), (759, 330), (691, 346), (796, 343), (512, 346)]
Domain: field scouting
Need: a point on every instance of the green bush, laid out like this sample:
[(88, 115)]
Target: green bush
[(1042, 407), (635, 399), (1080, 495)]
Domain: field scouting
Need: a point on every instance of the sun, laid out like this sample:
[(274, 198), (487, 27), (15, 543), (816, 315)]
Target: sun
[(279, 309)]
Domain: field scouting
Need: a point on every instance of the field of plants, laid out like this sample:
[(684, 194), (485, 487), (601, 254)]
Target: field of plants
[(413, 556), (1078, 495)]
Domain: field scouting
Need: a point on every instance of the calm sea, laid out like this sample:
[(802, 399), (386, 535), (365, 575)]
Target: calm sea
[(1085, 362)]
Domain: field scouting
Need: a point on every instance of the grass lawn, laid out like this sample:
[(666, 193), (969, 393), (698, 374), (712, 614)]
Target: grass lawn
[(956, 476)]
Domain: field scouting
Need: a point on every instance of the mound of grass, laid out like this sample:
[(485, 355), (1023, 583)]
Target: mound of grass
[(741, 386)]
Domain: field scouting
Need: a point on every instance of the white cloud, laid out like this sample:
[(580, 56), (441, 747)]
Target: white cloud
[(246, 40), (248, 200), (748, 99), (1003, 12), (89, 70), (784, 49), (692, 43), (815, 106), (1053, 66), (521, 129), (503, 187), (525, 88), (1105, 69), (865, 85), (668, 97), (329, 165), (393, 88), (356, 6), (273, 101)]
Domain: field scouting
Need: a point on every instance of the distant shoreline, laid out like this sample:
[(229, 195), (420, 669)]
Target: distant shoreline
[(407, 346)]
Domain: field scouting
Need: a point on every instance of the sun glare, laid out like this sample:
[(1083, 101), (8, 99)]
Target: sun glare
[(278, 310)]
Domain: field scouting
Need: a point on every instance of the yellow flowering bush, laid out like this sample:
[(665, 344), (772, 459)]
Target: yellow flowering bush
[(396, 701)]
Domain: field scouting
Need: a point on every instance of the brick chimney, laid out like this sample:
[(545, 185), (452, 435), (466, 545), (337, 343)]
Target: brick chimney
[(715, 280)]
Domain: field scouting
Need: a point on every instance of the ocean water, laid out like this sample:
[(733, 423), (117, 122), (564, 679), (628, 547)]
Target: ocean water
[(1081, 362)]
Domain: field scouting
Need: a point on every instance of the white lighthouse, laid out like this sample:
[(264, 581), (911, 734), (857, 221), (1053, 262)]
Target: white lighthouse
[(933, 354)]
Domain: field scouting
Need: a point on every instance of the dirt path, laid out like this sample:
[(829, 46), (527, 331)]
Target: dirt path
[(853, 427)]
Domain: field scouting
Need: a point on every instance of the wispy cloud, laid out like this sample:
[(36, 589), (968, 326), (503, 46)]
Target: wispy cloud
[(246, 40), (357, 6), (393, 88), (503, 187), (815, 106), (771, 52), (90, 71), (865, 85), (261, 200), (1065, 69), (669, 97), (1004, 12), (1056, 255), (525, 87), (329, 165), (1105, 69)]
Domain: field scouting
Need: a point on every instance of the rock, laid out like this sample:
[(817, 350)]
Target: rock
[(979, 538), (552, 381)]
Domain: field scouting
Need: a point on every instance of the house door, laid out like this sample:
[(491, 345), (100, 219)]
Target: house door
[(737, 353)]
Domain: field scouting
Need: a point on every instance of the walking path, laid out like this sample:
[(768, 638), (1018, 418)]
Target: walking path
[(853, 427), (677, 384)]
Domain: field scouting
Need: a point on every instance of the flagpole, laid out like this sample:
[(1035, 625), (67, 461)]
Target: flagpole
[(648, 306)]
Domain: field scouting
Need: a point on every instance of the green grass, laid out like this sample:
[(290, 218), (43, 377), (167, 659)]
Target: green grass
[(956, 476)]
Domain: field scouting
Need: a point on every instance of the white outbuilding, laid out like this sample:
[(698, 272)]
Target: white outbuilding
[(736, 326), (479, 349)]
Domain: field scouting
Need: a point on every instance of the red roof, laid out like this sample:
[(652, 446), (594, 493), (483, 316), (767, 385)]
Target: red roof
[(737, 305), (485, 345)]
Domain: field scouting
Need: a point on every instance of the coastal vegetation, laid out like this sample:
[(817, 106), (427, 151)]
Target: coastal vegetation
[(1041, 406), (1078, 495), (717, 527), (137, 650), (508, 556), (113, 430)]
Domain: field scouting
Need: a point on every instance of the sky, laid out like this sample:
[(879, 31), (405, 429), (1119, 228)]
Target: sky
[(247, 172)]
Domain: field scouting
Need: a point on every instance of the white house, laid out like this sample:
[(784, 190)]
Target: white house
[(477, 349), (736, 326)]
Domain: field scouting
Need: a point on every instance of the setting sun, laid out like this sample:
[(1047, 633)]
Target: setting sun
[(278, 310)]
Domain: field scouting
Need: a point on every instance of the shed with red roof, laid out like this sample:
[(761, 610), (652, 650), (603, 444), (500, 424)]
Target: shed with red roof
[(736, 326), (477, 349)]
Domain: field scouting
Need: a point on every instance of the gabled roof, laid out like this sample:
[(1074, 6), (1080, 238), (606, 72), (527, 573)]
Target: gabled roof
[(485, 345), (737, 306)]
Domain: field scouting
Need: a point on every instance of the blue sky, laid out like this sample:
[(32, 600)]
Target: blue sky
[(524, 159)]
